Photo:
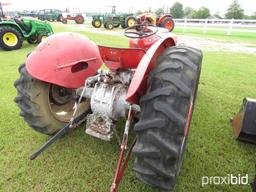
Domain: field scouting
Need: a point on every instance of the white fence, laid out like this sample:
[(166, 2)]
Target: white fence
[(225, 25)]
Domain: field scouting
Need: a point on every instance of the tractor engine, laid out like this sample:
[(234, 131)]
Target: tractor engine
[(106, 92)]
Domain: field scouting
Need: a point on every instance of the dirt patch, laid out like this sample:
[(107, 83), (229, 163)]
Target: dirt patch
[(217, 45)]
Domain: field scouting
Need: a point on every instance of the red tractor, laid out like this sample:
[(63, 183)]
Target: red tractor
[(153, 84), (164, 21), (72, 14)]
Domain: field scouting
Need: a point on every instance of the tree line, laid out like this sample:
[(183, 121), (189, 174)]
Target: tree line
[(177, 10)]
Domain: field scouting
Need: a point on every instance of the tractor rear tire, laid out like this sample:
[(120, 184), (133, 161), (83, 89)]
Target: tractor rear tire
[(79, 19), (60, 18), (168, 23), (166, 110), (97, 23), (32, 40), (10, 38), (130, 21), (41, 107)]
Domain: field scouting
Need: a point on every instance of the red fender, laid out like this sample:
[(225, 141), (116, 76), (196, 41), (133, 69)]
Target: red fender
[(138, 86), (64, 59)]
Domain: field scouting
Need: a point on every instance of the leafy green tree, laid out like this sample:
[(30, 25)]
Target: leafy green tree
[(177, 10), (188, 12), (159, 11), (201, 13), (234, 11)]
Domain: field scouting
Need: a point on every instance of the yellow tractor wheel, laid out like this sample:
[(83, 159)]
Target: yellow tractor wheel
[(96, 23), (10, 38)]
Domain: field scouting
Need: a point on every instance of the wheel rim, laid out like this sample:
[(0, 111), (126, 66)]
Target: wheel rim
[(97, 23), (131, 22), (10, 39), (169, 25), (79, 19), (61, 103)]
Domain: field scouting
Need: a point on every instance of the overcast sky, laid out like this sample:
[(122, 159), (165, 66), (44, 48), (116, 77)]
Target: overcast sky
[(125, 5)]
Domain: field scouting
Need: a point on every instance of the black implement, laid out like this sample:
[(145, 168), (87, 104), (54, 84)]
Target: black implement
[(76, 121)]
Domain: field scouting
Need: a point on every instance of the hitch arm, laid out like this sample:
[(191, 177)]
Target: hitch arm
[(120, 170), (59, 134)]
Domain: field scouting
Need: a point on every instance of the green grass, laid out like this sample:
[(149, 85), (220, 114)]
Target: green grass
[(79, 162), (220, 35)]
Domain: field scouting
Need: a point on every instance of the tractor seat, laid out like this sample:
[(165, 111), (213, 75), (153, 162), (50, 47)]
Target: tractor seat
[(22, 25), (121, 58)]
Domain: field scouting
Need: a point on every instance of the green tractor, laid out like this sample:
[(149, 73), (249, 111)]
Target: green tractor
[(109, 21), (14, 31), (50, 15)]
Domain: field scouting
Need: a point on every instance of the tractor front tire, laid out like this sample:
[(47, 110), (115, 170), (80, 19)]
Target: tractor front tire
[(10, 38), (41, 38), (109, 26), (97, 23), (64, 21), (60, 18), (79, 19), (32, 40), (166, 110), (45, 107)]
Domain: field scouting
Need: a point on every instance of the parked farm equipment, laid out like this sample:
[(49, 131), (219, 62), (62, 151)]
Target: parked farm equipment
[(12, 32), (50, 15), (164, 21), (152, 84), (244, 122), (73, 14), (109, 21), (25, 13)]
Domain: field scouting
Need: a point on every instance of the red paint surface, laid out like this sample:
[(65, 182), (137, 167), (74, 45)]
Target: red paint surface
[(121, 58), (138, 85), (53, 59)]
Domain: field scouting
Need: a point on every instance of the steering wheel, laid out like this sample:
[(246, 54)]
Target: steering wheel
[(140, 31)]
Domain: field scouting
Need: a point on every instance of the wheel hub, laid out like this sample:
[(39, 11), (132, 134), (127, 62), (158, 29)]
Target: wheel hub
[(169, 25), (60, 95), (97, 23), (131, 22), (10, 39), (62, 102)]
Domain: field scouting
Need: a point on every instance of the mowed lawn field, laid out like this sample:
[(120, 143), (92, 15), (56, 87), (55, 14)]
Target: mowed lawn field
[(79, 162)]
